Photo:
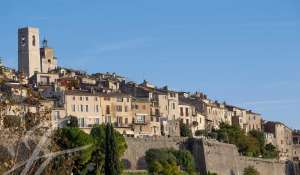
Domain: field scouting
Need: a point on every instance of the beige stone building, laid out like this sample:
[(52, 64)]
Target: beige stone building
[(239, 116), (117, 109), (296, 152), (85, 106), (216, 113), (144, 123), (282, 138), (253, 121), (41, 79), (168, 108), (189, 116)]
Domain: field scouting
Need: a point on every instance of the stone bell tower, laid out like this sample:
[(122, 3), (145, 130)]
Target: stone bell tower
[(29, 60)]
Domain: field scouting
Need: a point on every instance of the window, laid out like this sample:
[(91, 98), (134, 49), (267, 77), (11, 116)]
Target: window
[(73, 97), (181, 111), (81, 122), (96, 98), (33, 40), (49, 61), (186, 111), (56, 115), (120, 120), (97, 108), (80, 98), (144, 107), (97, 121), (173, 105), (119, 108), (73, 108), (157, 119), (86, 108), (128, 100), (187, 121), (107, 109), (23, 41), (136, 106), (156, 111), (81, 108), (87, 98), (140, 119), (126, 121)]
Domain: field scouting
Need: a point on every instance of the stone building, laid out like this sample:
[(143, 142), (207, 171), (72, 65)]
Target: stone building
[(216, 113), (42, 79), (189, 116), (85, 106), (253, 121), (239, 116), (282, 138), (144, 124), (48, 59), (29, 51), (117, 109)]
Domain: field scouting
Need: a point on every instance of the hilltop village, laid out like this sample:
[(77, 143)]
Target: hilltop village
[(41, 87)]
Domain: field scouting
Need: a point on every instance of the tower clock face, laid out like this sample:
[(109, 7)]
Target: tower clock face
[(23, 41)]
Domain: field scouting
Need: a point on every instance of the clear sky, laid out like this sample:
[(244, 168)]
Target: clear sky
[(246, 53)]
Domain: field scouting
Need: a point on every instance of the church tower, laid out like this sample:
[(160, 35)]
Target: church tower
[(48, 59), (29, 60)]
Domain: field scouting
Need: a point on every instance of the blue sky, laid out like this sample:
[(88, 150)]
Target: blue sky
[(246, 53)]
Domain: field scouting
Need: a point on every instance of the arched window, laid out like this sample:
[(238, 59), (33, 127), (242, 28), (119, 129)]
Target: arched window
[(33, 40)]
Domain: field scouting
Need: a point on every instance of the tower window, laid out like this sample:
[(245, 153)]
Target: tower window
[(23, 39), (33, 40), (49, 61)]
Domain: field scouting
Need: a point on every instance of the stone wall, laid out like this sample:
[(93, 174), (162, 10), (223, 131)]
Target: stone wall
[(224, 159), (134, 157), (209, 155)]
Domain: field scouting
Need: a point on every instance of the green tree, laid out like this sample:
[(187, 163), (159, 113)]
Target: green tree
[(68, 138), (260, 137), (72, 121), (250, 171), (98, 155), (169, 161), (185, 131), (270, 151), (112, 162)]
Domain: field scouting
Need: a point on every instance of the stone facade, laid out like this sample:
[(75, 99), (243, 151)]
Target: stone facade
[(29, 51), (48, 59), (84, 106), (282, 138)]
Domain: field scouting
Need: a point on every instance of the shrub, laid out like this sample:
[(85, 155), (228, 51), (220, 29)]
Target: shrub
[(72, 121), (185, 131), (169, 161), (250, 171)]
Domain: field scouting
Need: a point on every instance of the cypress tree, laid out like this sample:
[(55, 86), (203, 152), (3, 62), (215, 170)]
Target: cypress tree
[(112, 165)]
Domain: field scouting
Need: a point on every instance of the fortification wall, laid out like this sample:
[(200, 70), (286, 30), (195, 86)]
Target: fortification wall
[(224, 159), (134, 157), (209, 155)]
